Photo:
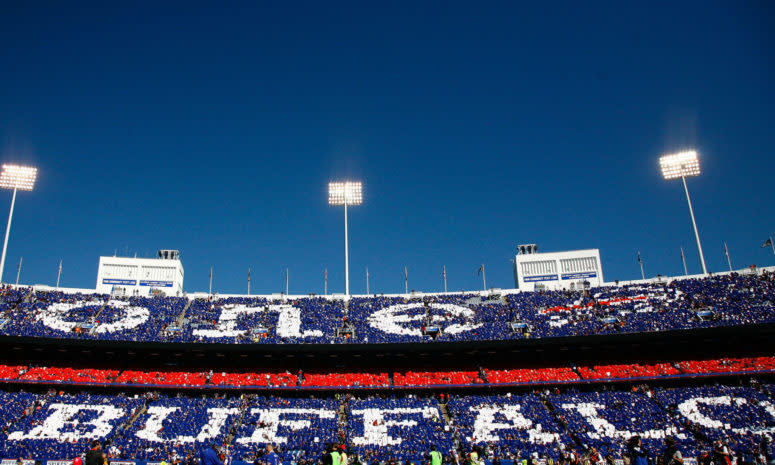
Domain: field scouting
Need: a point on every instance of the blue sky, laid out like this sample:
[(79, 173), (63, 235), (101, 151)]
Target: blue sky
[(214, 128)]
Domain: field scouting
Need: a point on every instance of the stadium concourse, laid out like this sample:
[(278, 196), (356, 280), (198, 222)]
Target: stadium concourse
[(526, 398)]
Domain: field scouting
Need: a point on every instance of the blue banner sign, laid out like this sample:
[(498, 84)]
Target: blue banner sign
[(583, 274), (123, 282), (543, 277), (156, 283)]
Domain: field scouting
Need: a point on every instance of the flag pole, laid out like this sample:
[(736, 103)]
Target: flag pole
[(367, 280), (19, 270), (286, 281), (444, 273), (484, 278), (248, 281), (325, 281), (683, 259), (59, 274), (406, 281), (211, 280), (726, 252), (772, 246), (640, 261)]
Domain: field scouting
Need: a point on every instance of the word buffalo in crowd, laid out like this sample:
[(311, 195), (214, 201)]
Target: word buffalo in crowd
[(605, 419)]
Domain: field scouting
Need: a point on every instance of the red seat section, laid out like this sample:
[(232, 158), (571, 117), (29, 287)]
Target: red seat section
[(432, 378), (526, 375), (627, 371), (567, 374)]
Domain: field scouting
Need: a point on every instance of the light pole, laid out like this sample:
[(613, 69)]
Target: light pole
[(345, 193), (681, 165), (17, 178)]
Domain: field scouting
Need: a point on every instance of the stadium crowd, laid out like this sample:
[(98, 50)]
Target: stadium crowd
[(408, 378), (564, 415), (723, 300), (570, 425)]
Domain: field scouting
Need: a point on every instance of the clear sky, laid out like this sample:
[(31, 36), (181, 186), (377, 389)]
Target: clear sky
[(214, 128)]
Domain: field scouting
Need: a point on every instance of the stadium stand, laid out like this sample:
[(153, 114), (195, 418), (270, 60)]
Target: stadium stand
[(715, 301), (597, 418), (511, 423), (169, 427), (155, 427), (508, 408), (300, 427), (740, 415), (56, 425), (348, 380), (396, 428)]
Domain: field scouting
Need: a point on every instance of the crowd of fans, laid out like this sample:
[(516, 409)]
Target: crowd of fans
[(737, 415), (532, 375), (506, 424), (56, 424), (169, 426), (298, 427), (57, 314), (345, 380), (556, 424), (380, 426), (597, 417), (724, 300), (437, 378), (577, 417)]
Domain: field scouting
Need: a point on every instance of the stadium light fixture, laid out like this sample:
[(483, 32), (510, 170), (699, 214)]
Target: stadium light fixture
[(17, 178), (682, 165), (346, 193)]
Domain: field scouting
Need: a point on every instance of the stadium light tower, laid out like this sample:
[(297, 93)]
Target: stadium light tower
[(681, 165), (17, 178), (345, 193)]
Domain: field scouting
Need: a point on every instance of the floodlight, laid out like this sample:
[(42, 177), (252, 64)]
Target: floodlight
[(17, 178), (680, 164), (345, 193)]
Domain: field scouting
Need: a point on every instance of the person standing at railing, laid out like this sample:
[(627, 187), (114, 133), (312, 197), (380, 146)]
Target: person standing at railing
[(209, 456), (95, 455), (434, 456), (671, 455), (635, 452), (271, 456)]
